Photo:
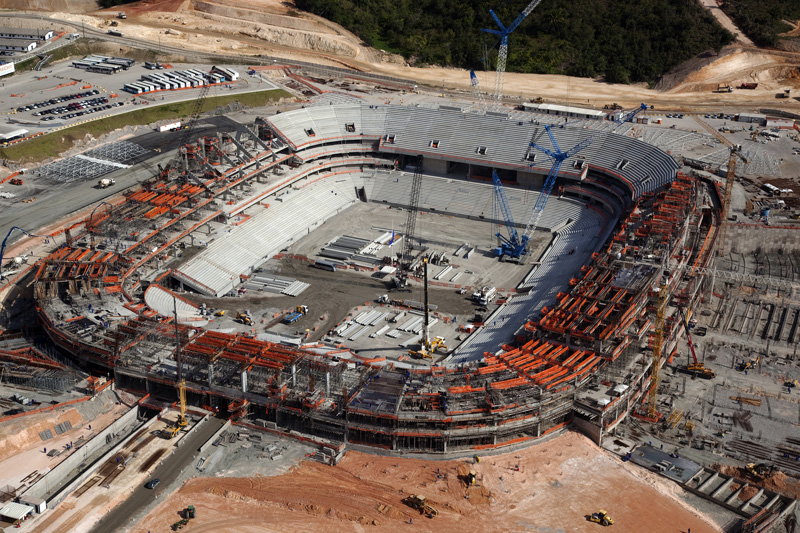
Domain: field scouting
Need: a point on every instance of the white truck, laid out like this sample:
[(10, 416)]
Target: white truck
[(106, 182), (484, 296)]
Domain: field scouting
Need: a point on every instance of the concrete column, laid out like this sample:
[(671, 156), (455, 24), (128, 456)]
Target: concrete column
[(244, 380), (327, 384), (294, 375), (210, 374)]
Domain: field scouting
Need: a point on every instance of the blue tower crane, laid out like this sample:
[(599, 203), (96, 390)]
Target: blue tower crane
[(502, 54), (557, 157)]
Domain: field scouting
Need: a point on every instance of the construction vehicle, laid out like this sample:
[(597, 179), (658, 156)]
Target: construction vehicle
[(791, 384), (724, 88), (747, 365), (427, 345), (601, 517), (760, 469), (614, 107), (694, 367), (298, 312), (181, 422), (121, 15), (244, 318), (748, 86), (427, 350), (418, 502), (106, 182), (537, 100), (484, 296), (15, 181), (221, 312), (472, 477)]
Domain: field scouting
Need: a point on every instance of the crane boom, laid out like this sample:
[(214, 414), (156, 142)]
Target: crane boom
[(502, 53), (511, 245), (688, 335), (558, 157), (476, 91), (735, 152)]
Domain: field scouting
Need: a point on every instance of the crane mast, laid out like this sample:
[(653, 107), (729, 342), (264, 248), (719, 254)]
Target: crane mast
[(413, 207), (658, 341)]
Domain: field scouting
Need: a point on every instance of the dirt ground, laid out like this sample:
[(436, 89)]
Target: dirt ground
[(777, 481), (558, 484), (22, 433), (277, 28)]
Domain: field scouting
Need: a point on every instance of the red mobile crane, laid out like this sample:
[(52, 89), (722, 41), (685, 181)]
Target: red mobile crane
[(694, 368)]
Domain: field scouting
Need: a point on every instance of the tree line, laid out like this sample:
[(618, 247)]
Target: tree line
[(623, 41), (762, 20)]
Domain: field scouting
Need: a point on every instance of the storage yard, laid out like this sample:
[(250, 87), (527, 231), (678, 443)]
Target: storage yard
[(379, 291)]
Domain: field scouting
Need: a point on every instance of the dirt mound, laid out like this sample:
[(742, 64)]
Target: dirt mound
[(777, 481), (553, 485), (52, 6)]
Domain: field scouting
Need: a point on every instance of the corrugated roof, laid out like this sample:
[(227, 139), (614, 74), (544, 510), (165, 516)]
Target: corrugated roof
[(16, 511)]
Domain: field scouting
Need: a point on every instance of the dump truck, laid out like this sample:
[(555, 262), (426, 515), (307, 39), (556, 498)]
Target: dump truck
[(748, 86), (106, 182), (724, 88), (601, 517), (418, 502), (121, 15)]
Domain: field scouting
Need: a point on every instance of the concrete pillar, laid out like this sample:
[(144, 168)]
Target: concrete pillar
[(327, 384), (210, 374), (294, 375), (244, 380)]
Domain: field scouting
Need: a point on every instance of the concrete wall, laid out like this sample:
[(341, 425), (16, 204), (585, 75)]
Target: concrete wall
[(744, 238), (213, 437), (436, 166), (52, 482)]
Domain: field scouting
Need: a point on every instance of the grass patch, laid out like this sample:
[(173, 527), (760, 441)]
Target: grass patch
[(52, 144)]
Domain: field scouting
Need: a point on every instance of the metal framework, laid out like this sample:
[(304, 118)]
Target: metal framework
[(411, 221)]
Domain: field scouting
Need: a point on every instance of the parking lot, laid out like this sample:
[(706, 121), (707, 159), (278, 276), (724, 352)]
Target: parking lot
[(63, 95)]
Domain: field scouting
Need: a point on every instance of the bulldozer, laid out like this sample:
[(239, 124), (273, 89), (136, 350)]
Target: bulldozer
[(244, 318), (418, 502), (601, 517)]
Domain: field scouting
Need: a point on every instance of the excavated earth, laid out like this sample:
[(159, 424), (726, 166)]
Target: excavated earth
[(553, 486)]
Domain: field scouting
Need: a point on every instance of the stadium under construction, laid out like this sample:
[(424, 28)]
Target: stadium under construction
[(570, 344)]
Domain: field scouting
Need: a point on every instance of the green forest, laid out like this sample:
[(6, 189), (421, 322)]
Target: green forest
[(761, 20), (624, 41)]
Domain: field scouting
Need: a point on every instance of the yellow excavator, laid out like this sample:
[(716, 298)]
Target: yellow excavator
[(181, 422)]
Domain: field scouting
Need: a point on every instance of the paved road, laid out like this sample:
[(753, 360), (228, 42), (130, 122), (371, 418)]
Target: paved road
[(167, 472)]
